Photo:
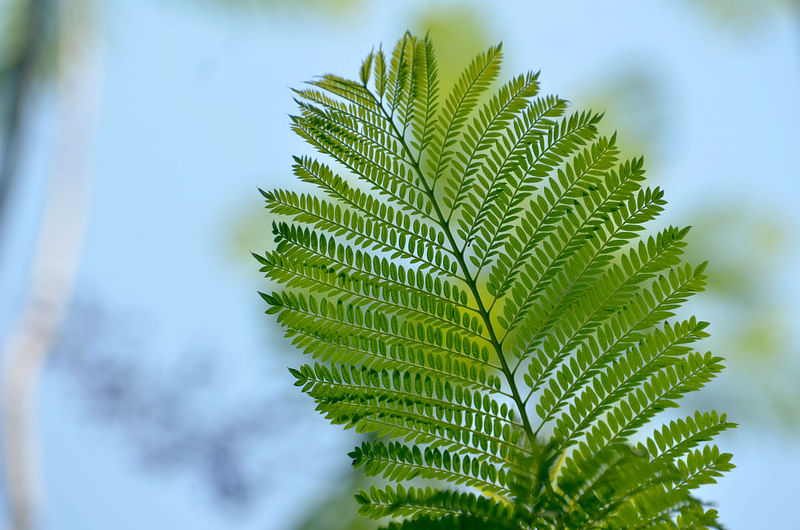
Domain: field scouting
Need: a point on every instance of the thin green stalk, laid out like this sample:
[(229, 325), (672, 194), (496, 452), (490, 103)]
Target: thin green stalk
[(468, 279)]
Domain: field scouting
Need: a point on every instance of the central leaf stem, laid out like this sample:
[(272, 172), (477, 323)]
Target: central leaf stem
[(468, 279)]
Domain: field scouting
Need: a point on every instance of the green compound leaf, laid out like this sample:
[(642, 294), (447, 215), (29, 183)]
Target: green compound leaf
[(477, 292)]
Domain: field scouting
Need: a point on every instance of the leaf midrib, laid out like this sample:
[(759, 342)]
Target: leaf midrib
[(471, 283)]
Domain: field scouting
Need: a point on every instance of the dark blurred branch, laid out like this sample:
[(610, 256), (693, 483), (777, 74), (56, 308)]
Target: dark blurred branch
[(176, 417), (21, 75)]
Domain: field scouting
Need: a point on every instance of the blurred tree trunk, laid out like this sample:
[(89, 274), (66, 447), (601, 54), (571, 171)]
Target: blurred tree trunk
[(57, 250)]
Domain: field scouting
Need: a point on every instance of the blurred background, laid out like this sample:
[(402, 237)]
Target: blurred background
[(142, 387)]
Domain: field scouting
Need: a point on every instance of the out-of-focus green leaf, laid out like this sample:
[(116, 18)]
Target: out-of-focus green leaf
[(746, 244), (298, 7), (247, 232), (460, 33), (633, 98), (337, 511), (744, 14)]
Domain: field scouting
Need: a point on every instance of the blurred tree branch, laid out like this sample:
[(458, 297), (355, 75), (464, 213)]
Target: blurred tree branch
[(164, 413), (58, 242)]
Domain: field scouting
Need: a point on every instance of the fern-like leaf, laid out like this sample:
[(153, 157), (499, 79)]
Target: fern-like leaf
[(482, 266)]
